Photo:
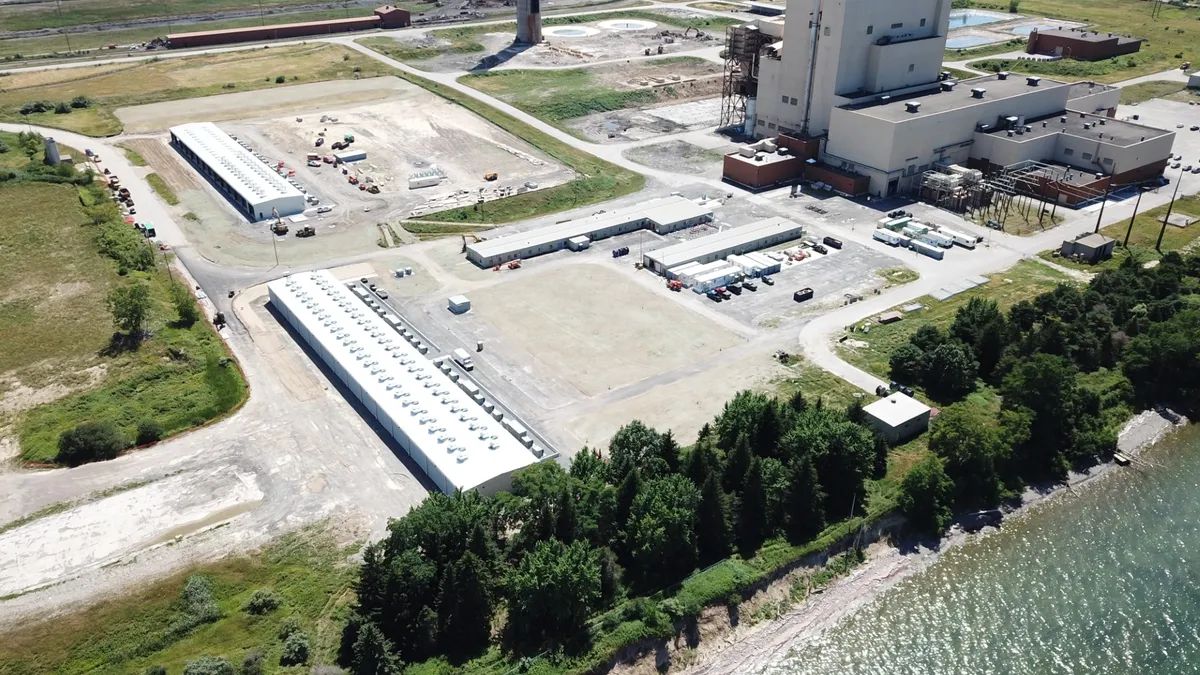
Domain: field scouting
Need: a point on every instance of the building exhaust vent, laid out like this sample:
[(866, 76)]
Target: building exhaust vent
[(1033, 81), (1010, 133), (978, 92), (885, 98), (1003, 75), (1101, 122), (948, 85), (1063, 119), (1086, 126), (1044, 123), (912, 106)]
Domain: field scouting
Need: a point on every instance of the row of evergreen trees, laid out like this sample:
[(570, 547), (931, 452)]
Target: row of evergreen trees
[(565, 544)]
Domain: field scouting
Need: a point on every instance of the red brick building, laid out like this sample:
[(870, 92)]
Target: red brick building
[(385, 17), (1081, 45)]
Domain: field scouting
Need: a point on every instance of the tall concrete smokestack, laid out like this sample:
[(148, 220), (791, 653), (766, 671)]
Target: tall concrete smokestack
[(529, 21)]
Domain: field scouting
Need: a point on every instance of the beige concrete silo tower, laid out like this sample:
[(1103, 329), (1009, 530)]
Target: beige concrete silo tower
[(529, 21)]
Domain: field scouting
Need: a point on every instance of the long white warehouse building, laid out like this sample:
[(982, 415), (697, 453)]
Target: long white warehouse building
[(664, 215), (450, 436), (249, 184), (735, 240)]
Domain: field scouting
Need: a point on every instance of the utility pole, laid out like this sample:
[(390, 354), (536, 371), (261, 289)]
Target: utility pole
[(1135, 208), (66, 36), (1107, 189), (1161, 232)]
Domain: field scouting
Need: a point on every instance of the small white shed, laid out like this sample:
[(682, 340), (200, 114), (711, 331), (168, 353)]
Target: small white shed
[(459, 304), (898, 417)]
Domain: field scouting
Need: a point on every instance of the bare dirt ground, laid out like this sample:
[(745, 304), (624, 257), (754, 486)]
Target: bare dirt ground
[(678, 155), (590, 42), (291, 100), (596, 329), (416, 132), (623, 126)]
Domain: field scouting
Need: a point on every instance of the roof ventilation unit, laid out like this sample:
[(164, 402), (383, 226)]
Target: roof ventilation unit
[(1002, 75), (912, 106), (1063, 119), (978, 92), (1033, 81), (948, 85)]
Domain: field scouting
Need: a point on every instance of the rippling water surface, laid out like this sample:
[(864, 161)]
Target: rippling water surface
[(1103, 581)]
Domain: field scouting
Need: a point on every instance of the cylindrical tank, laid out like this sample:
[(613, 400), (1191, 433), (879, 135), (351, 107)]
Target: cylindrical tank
[(529, 21), (52, 157), (751, 115)]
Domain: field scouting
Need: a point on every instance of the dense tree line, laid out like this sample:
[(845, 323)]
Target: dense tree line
[(564, 545), (1143, 325)]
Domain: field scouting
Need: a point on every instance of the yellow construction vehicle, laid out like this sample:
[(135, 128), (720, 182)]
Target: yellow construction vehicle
[(491, 175), (278, 227), (475, 239)]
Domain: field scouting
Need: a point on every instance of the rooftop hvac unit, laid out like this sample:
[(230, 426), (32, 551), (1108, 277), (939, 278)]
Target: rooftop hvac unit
[(1033, 81), (948, 85), (978, 92), (1003, 75), (1063, 119), (912, 106)]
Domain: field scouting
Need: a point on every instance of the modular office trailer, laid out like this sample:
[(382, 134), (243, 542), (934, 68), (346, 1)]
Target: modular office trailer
[(731, 241), (447, 433), (661, 215)]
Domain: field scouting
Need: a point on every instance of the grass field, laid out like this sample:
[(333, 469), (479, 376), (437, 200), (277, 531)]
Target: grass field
[(1144, 91), (1143, 236), (1014, 45), (816, 382), (160, 186), (959, 73), (127, 633), (1174, 31), (598, 180), (1185, 96), (1023, 281), (1023, 218), (112, 87), (133, 157), (57, 332), (557, 95)]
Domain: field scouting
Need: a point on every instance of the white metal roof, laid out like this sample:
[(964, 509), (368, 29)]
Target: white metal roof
[(896, 409), (244, 172), (662, 211), (695, 249), (449, 429)]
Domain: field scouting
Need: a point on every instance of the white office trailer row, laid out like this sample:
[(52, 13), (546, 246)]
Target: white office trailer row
[(926, 249), (731, 241), (441, 425), (251, 186), (723, 275), (664, 215)]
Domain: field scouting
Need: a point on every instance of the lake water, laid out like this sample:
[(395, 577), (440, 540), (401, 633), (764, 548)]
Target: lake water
[(1103, 581)]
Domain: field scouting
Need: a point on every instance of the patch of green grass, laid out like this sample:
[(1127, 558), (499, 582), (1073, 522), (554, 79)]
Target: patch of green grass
[(160, 186), (1143, 237), (1185, 96), (56, 325), (1144, 91), (815, 382), (128, 632), (1016, 44), (1023, 281), (1174, 30), (1024, 217), (599, 180), (718, 6), (557, 95), (173, 79), (959, 74), (898, 275), (133, 157)]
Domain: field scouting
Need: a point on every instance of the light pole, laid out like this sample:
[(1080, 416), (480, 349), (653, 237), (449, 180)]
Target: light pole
[(1107, 188), (1136, 204), (1158, 244)]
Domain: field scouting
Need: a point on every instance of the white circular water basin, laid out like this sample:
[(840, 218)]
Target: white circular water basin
[(570, 32), (627, 24)]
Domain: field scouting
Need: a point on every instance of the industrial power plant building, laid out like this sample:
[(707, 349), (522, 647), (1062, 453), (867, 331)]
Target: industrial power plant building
[(249, 184), (733, 241), (445, 431), (664, 215), (385, 17), (863, 79)]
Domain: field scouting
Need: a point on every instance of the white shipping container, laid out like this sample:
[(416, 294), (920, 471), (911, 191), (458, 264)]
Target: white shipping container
[(964, 240), (423, 182), (458, 304), (926, 249), (887, 236), (937, 239)]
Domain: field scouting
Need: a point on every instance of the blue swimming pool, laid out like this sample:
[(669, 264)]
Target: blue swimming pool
[(962, 18), (1026, 30), (964, 41)]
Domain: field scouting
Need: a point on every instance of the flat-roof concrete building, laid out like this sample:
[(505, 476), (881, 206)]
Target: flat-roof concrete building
[(434, 419), (1081, 44), (732, 241), (253, 188), (664, 215), (863, 79), (898, 417), (1092, 247)]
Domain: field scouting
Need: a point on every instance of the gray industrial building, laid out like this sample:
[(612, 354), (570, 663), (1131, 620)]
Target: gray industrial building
[(732, 241), (439, 423), (898, 417), (664, 215)]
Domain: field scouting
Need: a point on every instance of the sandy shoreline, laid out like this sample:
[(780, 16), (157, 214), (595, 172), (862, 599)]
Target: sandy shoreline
[(753, 648)]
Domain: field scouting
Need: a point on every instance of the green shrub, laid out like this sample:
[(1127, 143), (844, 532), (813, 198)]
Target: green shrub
[(209, 665), (156, 670), (89, 442), (81, 102), (296, 649), (263, 601), (288, 626), (280, 79), (148, 432), (252, 664), (62, 108)]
